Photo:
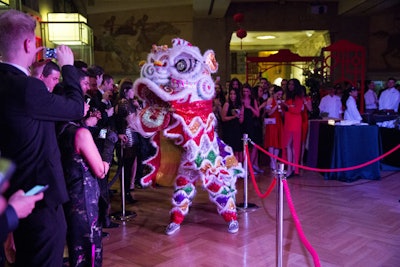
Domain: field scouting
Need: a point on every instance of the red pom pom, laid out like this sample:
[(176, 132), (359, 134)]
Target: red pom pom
[(229, 216), (238, 17), (241, 33), (177, 217)]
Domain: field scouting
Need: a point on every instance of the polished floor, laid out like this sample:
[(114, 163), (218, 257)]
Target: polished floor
[(348, 224)]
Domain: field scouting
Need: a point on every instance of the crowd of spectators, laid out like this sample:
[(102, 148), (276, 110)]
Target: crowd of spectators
[(279, 114), (63, 135)]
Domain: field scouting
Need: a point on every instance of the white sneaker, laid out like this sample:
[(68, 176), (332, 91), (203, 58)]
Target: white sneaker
[(172, 228), (233, 227)]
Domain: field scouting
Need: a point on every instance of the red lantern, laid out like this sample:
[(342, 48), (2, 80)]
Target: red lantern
[(241, 33), (238, 17)]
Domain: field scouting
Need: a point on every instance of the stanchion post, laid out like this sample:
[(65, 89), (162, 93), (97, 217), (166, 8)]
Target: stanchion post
[(280, 172), (123, 215), (123, 185), (245, 206), (246, 172)]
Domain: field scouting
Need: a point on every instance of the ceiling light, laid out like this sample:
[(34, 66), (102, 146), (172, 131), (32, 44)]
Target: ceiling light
[(265, 37), (4, 2), (68, 28)]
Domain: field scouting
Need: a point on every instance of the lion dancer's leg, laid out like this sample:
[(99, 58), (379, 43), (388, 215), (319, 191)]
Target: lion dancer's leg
[(222, 193), (184, 193)]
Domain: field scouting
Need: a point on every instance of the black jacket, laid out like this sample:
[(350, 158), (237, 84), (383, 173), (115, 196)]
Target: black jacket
[(28, 113)]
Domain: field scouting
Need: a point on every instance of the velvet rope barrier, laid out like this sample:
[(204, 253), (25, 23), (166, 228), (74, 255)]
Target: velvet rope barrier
[(327, 170), (253, 179), (298, 225), (296, 220)]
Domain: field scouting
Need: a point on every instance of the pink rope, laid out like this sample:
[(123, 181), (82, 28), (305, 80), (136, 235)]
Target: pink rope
[(253, 179), (93, 253), (298, 225), (328, 170), (296, 220)]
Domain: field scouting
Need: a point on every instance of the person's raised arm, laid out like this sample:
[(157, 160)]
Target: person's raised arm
[(224, 112), (295, 107), (44, 105), (85, 146), (256, 110)]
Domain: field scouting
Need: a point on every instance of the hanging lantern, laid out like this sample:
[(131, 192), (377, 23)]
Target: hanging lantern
[(241, 33), (238, 17)]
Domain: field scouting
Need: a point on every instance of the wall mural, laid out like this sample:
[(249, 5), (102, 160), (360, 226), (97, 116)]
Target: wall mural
[(391, 52), (384, 43), (120, 45)]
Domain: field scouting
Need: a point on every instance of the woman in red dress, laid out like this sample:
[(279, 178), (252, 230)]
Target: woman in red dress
[(292, 125), (273, 124)]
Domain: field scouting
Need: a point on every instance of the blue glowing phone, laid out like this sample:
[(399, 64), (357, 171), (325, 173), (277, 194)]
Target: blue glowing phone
[(36, 190)]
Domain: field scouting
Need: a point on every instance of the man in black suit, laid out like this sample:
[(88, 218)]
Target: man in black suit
[(27, 121), (101, 100)]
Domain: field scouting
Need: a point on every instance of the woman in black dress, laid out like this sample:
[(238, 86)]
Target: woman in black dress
[(82, 166), (232, 117)]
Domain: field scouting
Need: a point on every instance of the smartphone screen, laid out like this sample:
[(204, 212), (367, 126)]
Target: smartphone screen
[(7, 168), (36, 190), (50, 53)]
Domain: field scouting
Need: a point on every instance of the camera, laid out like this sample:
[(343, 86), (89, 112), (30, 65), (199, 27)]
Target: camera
[(50, 53)]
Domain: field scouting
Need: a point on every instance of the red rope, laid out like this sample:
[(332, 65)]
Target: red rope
[(328, 170), (253, 179), (297, 224), (296, 220), (93, 254)]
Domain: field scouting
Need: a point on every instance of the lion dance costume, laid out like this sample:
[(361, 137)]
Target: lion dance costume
[(178, 90)]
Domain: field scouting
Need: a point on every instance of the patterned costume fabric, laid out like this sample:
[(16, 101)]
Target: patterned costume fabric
[(177, 86)]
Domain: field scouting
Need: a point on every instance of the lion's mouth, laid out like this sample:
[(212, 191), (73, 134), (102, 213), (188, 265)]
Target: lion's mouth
[(151, 98), (156, 114)]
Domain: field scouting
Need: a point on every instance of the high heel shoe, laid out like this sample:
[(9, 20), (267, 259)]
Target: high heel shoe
[(257, 169), (130, 199), (272, 165)]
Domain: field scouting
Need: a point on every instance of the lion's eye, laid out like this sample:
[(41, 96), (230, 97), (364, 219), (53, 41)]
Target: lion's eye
[(185, 65), (181, 65)]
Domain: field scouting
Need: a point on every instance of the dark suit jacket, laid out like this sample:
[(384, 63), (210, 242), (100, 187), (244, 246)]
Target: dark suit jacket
[(8, 223), (28, 113), (105, 121)]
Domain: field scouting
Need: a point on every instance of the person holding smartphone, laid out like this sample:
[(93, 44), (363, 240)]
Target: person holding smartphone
[(28, 112), (19, 206)]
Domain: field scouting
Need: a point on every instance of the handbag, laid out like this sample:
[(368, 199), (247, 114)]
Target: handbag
[(132, 137)]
